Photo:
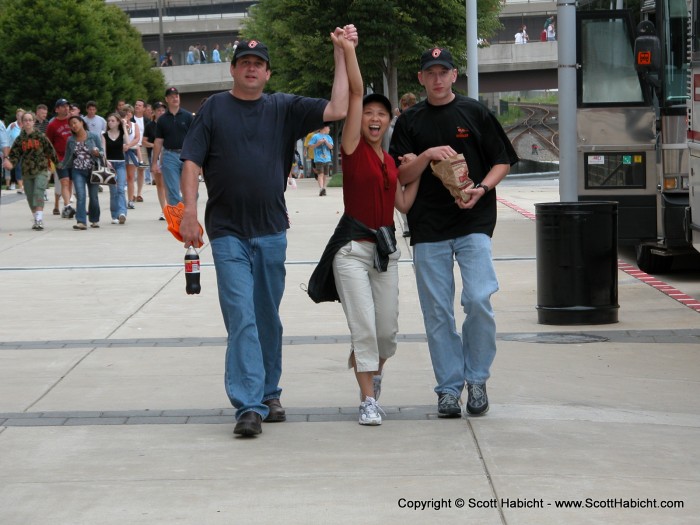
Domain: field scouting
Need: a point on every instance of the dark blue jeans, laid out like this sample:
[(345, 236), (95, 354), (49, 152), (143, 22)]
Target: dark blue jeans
[(81, 183)]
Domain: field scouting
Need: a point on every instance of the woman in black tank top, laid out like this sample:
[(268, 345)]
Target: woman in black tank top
[(113, 144)]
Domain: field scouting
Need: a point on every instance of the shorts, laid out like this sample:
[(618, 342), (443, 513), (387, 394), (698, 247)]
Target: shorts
[(324, 168), (131, 158), (144, 153)]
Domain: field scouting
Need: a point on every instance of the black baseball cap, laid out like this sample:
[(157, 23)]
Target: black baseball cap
[(436, 56), (377, 97), (251, 47), (158, 104), (61, 102), (171, 91)]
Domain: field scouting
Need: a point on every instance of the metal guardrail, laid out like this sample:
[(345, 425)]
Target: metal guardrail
[(185, 18)]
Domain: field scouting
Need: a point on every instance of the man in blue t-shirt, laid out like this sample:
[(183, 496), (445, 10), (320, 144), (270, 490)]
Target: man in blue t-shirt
[(322, 145), (243, 140)]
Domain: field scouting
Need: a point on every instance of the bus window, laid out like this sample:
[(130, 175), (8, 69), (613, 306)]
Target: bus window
[(675, 36), (615, 170), (607, 63)]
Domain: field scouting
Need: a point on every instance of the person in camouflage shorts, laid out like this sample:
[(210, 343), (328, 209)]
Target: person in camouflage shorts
[(34, 151)]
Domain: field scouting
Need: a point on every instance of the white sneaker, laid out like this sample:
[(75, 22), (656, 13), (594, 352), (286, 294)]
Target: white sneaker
[(115, 221), (369, 412)]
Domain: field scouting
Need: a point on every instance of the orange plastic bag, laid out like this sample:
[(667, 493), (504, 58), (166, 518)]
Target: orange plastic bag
[(173, 214)]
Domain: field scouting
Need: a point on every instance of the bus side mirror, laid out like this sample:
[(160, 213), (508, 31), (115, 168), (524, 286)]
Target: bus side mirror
[(647, 54), (647, 49)]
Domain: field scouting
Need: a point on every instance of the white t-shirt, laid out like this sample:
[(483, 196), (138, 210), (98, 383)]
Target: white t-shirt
[(140, 124), (96, 124)]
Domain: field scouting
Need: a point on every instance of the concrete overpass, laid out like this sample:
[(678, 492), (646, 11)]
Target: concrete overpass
[(502, 67), (511, 67)]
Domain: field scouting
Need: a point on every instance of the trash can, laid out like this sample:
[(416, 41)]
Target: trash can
[(576, 263)]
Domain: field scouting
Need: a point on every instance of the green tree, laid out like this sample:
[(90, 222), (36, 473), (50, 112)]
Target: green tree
[(393, 33), (78, 49)]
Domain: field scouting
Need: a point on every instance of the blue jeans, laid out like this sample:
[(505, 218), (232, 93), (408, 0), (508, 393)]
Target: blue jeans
[(117, 192), (81, 181), (171, 166), (250, 275), (456, 358)]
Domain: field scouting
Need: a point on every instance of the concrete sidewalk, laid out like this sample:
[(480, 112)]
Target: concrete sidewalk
[(112, 407)]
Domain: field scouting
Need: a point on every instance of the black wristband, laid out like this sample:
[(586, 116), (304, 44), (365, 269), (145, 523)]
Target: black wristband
[(484, 186)]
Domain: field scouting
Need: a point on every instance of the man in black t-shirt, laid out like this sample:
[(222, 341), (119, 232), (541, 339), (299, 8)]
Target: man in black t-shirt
[(444, 229), (243, 140), (171, 129)]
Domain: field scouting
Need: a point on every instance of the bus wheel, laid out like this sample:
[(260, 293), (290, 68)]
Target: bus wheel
[(650, 262)]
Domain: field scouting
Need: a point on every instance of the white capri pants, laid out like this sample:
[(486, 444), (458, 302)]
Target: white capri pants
[(370, 300)]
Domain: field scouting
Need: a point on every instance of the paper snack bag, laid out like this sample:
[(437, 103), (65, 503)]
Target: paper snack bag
[(454, 174)]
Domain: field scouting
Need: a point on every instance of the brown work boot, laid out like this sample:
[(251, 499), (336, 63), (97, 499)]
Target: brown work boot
[(277, 413)]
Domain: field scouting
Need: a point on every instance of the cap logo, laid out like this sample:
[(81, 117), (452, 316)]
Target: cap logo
[(436, 53), (252, 43)]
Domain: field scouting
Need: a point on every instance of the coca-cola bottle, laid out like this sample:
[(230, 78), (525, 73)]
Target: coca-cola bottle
[(192, 271)]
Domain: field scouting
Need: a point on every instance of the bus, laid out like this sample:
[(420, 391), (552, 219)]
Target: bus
[(632, 125), (693, 220)]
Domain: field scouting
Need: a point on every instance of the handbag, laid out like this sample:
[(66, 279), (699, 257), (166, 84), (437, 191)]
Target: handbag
[(102, 173)]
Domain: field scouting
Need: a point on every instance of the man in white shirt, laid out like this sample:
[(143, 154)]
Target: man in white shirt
[(95, 123), (139, 107)]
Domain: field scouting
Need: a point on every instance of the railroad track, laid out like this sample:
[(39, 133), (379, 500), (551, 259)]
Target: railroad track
[(538, 125)]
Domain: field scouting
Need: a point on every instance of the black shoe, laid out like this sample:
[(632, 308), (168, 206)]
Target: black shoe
[(277, 413), (249, 424), (448, 406), (478, 401)]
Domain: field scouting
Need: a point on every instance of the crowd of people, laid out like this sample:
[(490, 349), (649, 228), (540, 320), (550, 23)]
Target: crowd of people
[(66, 149), (195, 54), (242, 145)]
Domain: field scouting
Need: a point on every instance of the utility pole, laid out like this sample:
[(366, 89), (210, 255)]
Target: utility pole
[(161, 40), (472, 56), (566, 42)]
